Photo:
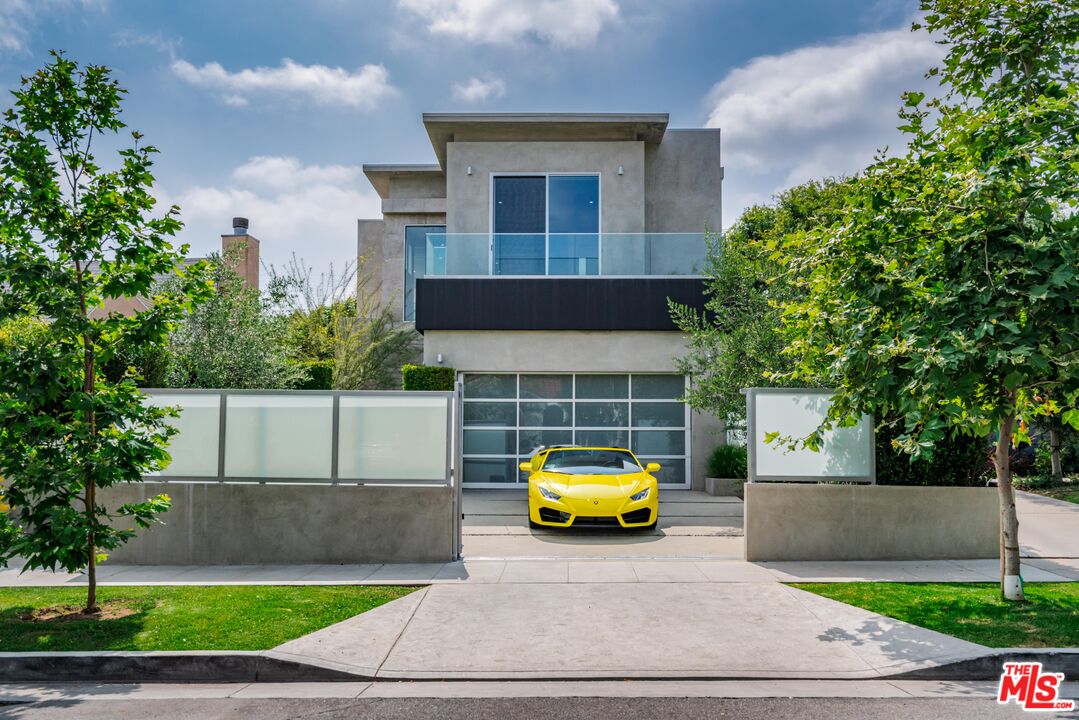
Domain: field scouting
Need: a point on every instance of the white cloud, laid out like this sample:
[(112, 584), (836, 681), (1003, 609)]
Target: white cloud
[(363, 88), (562, 23), (155, 40), (814, 112), (478, 91), (18, 16), (309, 209)]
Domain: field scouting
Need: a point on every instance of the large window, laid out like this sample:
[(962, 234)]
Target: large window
[(507, 416), (545, 225), (425, 254)]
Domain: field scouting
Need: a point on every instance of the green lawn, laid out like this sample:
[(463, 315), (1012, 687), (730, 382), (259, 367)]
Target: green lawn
[(250, 617), (971, 611)]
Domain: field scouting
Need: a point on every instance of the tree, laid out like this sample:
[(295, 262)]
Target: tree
[(371, 345), (947, 293), (356, 334), (735, 342), (232, 340), (72, 235)]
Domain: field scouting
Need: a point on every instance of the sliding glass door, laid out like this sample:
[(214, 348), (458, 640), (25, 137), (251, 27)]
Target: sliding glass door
[(545, 225)]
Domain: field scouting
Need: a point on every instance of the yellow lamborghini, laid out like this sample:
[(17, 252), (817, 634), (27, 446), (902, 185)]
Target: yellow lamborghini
[(575, 486)]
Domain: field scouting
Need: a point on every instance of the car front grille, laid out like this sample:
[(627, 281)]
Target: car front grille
[(608, 521), (636, 516)]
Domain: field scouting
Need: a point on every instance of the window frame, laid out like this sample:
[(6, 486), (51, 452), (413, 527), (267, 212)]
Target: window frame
[(493, 175), (404, 268)]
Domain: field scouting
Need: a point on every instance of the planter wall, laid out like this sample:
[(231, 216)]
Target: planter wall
[(787, 521), (724, 487)]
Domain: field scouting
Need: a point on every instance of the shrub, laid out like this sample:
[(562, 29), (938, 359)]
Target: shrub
[(427, 377), (317, 374), (959, 460), (727, 461)]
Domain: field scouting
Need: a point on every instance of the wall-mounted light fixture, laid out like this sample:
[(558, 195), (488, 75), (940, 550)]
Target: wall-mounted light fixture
[(438, 358), (621, 170), (469, 170)]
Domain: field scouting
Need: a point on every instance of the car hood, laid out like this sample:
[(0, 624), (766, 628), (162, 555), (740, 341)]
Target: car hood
[(594, 486)]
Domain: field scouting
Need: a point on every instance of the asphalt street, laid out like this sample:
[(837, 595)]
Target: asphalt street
[(524, 709)]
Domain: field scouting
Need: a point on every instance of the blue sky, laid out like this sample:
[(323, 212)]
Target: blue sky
[(267, 108)]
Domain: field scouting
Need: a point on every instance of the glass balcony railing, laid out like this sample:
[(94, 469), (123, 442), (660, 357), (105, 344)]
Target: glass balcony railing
[(565, 254)]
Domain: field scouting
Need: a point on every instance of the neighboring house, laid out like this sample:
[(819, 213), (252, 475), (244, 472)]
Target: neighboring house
[(537, 258), (238, 248)]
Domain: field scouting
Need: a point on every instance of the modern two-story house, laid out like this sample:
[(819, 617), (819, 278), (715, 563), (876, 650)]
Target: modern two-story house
[(537, 257)]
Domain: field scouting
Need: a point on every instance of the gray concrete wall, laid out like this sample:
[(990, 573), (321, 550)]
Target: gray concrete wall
[(683, 182), (238, 524), (788, 521), (575, 351), (621, 196)]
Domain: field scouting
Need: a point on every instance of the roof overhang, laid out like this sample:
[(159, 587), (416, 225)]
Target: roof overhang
[(380, 175), (444, 128)]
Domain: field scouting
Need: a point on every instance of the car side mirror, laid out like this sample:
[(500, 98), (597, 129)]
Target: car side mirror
[(526, 466), (652, 467)]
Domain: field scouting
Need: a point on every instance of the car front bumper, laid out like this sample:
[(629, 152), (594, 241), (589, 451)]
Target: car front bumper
[(612, 512)]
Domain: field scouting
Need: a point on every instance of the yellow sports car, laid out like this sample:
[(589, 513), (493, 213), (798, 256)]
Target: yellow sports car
[(574, 486)]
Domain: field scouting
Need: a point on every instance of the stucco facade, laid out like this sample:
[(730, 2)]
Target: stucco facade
[(659, 189)]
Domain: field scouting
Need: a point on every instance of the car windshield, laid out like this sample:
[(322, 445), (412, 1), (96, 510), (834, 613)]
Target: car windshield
[(590, 462)]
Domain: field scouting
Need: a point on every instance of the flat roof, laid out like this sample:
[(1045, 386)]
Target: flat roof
[(443, 128), (379, 175)]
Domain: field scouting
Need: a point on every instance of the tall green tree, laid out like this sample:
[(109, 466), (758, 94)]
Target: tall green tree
[(735, 343), (74, 234), (947, 294)]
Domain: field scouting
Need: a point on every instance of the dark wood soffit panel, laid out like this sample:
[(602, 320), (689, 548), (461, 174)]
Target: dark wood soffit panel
[(553, 303)]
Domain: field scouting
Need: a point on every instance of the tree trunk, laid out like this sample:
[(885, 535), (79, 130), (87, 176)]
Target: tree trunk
[(1054, 449), (1011, 585)]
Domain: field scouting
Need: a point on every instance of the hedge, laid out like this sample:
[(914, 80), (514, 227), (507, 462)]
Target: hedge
[(318, 374), (727, 461), (427, 377), (959, 460)]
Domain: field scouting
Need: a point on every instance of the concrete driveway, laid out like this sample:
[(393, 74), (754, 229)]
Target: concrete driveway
[(691, 524), (640, 630)]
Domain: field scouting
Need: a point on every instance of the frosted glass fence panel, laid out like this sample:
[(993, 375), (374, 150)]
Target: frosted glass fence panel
[(194, 448), (279, 436), (845, 454), (393, 438)]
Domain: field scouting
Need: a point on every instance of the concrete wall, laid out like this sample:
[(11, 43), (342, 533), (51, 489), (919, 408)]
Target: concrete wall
[(575, 351), (621, 196), (683, 181), (786, 521), (238, 524)]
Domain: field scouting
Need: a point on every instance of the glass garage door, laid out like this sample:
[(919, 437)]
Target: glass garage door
[(508, 416)]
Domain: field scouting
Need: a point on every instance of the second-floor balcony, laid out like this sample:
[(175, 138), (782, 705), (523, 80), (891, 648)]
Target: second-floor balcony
[(432, 253), (562, 254)]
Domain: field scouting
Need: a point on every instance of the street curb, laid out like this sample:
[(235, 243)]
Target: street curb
[(989, 666), (168, 667), (253, 667)]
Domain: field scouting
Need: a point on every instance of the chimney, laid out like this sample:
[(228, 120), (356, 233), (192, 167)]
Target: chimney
[(241, 252)]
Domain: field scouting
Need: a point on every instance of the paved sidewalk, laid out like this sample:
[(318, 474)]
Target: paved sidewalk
[(554, 570)]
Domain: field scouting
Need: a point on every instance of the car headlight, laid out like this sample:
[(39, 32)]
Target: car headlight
[(549, 494), (640, 495)]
